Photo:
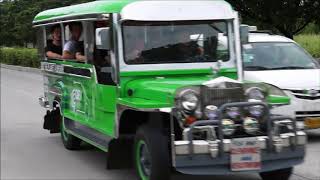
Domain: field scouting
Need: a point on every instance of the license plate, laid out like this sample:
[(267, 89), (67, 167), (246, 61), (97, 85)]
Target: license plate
[(312, 122), (245, 154)]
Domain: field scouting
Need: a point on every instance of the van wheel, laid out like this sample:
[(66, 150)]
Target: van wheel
[(70, 142), (282, 174), (151, 154)]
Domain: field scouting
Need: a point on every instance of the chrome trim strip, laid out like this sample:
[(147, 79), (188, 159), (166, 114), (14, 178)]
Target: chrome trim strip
[(78, 111), (59, 20), (308, 115), (54, 93), (238, 47), (48, 68)]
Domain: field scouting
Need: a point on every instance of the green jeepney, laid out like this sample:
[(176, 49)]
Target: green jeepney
[(162, 81)]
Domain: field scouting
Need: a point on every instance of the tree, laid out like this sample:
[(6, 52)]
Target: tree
[(16, 19), (289, 17)]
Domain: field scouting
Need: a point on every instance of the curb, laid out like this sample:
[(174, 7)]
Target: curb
[(20, 68)]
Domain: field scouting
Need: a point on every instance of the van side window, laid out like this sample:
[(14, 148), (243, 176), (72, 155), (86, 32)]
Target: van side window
[(102, 60), (53, 48)]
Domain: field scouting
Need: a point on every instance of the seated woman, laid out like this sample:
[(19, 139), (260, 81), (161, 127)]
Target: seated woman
[(54, 47)]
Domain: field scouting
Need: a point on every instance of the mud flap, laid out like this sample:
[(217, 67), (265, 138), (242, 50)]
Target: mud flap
[(52, 121), (119, 154)]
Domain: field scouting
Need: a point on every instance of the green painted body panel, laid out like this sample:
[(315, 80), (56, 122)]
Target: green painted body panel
[(96, 7), (229, 72), (165, 72), (156, 89), (105, 109), (82, 99), (272, 99)]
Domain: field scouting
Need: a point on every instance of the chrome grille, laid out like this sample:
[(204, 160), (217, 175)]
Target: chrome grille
[(300, 115), (306, 94), (220, 96)]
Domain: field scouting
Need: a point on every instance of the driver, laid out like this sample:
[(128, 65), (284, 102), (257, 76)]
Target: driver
[(185, 47), (135, 48)]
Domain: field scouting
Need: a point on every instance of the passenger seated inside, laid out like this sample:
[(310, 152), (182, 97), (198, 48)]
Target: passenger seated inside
[(185, 47), (73, 49), (135, 48), (102, 57), (54, 47), (80, 53), (182, 49), (102, 60)]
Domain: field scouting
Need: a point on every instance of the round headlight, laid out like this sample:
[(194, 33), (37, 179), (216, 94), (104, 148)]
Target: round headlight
[(211, 112), (251, 125), (189, 100), (256, 111), (233, 112), (228, 127), (255, 93)]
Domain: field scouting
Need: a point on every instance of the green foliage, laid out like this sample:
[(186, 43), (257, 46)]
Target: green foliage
[(16, 19), (20, 56), (288, 17), (312, 28), (311, 43)]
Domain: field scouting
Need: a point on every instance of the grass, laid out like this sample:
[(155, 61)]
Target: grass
[(311, 43), (20, 56)]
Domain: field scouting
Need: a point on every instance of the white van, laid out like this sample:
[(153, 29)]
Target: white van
[(281, 62)]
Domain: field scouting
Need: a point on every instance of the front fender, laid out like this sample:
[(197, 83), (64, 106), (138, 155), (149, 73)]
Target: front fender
[(139, 103)]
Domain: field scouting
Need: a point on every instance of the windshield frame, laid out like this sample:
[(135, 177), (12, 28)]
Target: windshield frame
[(317, 65), (230, 63)]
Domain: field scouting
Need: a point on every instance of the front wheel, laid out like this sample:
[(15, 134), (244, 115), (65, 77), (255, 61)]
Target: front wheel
[(70, 142), (151, 154), (282, 174)]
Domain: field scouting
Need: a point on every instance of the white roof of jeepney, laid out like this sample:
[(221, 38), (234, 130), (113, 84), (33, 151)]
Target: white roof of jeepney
[(177, 10), (265, 37)]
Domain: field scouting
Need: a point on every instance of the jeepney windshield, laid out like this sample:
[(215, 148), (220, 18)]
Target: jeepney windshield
[(276, 56), (175, 42)]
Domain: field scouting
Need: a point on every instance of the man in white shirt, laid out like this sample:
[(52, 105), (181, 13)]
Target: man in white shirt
[(71, 48)]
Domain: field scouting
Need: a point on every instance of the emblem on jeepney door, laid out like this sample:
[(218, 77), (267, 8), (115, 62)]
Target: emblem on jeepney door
[(76, 95)]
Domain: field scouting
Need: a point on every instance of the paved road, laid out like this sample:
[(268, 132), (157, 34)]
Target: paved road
[(28, 152)]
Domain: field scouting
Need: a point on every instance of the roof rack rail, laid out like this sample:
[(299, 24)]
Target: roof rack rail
[(263, 32), (254, 29)]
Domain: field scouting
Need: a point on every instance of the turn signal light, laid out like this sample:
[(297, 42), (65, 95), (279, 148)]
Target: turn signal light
[(190, 119)]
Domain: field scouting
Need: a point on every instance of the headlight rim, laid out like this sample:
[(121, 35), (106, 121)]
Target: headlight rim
[(263, 93), (184, 93)]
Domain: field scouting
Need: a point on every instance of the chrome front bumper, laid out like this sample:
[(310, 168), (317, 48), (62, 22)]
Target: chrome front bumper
[(211, 147), (211, 156)]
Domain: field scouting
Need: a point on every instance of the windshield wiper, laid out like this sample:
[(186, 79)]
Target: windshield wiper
[(290, 67), (252, 68)]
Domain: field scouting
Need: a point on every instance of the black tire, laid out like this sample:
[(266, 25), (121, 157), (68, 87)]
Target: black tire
[(282, 174), (151, 154), (69, 141)]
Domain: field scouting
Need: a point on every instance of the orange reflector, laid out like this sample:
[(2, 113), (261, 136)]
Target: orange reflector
[(190, 120)]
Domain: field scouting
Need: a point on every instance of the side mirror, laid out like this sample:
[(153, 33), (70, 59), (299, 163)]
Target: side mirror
[(103, 38), (244, 34)]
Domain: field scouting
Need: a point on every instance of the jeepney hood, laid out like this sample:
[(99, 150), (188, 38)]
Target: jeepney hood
[(287, 79), (156, 89), (160, 90)]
